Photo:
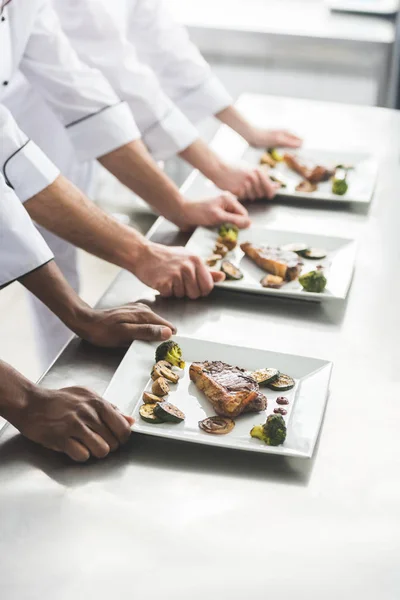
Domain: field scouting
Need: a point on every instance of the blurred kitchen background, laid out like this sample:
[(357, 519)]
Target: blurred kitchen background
[(333, 50)]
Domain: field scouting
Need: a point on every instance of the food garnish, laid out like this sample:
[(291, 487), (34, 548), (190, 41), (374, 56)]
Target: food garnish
[(231, 272), (160, 387), (220, 249), (297, 247), (306, 186), (272, 281), (280, 411), (277, 180), (171, 352), (151, 398), (282, 383), (265, 376), (146, 412), (339, 184), (273, 432), (314, 281), (168, 413), (313, 253), (161, 371), (267, 160), (228, 235), (213, 259), (275, 154), (217, 425), (282, 400)]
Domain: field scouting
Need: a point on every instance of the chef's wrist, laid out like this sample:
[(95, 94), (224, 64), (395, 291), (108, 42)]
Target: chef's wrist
[(15, 400)]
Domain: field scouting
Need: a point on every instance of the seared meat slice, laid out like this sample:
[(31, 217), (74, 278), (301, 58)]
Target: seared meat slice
[(282, 263), (306, 186), (296, 166), (319, 174), (230, 390)]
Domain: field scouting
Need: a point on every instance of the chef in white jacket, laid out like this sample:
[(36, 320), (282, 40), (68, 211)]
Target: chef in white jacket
[(97, 123), (72, 420)]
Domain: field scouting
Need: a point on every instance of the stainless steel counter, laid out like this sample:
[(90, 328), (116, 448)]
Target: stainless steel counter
[(162, 519)]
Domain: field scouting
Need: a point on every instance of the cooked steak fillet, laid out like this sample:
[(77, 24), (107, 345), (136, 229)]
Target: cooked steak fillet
[(296, 166), (319, 174), (230, 390), (279, 262)]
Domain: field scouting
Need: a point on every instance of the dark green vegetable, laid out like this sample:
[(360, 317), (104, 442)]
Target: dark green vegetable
[(282, 383), (339, 184), (297, 247), (273, 432), (168, 412), (314, 281), (146, 412), (265, 376), (313, 253), (228, 235), (231, 272), (171, 352), (276, 180)]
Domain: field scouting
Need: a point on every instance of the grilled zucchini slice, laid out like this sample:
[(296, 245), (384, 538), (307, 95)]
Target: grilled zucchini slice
[(168, 413), (313, 253), (265, 376), (297, 247), (146, 412), (282, 383), (231, 272)]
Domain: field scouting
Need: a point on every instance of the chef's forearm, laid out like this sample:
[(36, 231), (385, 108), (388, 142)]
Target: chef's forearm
[(64, 210), (235, 120), (15, 390), (135, 168), (49, 285), (203, 158)]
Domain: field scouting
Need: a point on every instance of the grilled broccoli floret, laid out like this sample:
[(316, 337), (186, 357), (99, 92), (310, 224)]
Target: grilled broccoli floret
[(314, 281), (171, 352), (273, 432), (339, 186), (227, 230)]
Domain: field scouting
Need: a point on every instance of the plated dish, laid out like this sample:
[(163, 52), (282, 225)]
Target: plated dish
[(293, 264), (226, 396), (320, 174)]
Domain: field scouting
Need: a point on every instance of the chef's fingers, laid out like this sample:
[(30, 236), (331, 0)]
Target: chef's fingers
[(234, 212), (96, 445), (99, 428), (204, 279), (148, 316), (270, 188), (76, 450), (290, 140), (217, 276), (143, 331), (115, 421), (248, 192), (178, 286), (192, 289)]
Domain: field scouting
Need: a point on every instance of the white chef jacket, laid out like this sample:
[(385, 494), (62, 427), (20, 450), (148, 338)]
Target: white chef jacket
[(151, 64), (22, 249), (31, 39)]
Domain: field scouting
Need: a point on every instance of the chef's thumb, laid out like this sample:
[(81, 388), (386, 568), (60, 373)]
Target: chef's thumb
[(217, 276)]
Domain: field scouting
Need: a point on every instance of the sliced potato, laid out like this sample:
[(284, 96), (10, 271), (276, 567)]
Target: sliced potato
[(160, 387), (151, 398), (213, 259)]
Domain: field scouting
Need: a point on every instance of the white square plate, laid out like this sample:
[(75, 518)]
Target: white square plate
[(305, 411), (361, 180), (339, 263)]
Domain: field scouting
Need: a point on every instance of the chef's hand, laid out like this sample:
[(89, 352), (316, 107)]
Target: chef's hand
[(72, 420), (269, 138), (117, 327), (213, 212), (245, 181), (173, 271)]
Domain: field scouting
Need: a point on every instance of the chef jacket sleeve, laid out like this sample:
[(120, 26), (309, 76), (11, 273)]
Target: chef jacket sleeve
[(22, 248), (185, 76), (98, 36), (97, 121), (23, 165)]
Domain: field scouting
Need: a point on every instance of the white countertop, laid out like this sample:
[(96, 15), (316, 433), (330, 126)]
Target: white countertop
[(165, 519)]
